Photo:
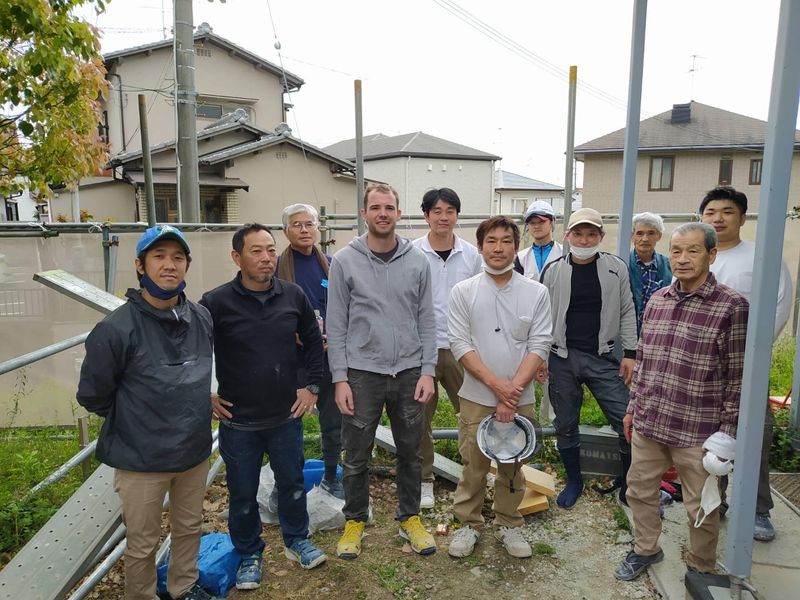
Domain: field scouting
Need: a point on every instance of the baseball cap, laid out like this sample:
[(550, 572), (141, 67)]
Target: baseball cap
[(539, 208), (160, 232), (585, 215)]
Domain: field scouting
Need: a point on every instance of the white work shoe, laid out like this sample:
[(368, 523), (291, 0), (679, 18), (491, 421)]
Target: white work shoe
[(516, 545), (463, 542), (426, 497)]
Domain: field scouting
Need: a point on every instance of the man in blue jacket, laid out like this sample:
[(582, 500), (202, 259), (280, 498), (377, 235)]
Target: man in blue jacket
[(148, 372), (649, 270), (257, 320)]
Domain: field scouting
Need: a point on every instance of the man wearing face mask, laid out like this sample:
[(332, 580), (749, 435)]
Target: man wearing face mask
[(684, 404), (592, 306)]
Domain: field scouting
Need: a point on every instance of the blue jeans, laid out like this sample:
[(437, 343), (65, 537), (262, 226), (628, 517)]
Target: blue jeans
[(243, 453), (600, 373)]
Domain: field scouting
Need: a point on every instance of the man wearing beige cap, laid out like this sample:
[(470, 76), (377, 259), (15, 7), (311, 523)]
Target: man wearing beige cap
[(592, 307)]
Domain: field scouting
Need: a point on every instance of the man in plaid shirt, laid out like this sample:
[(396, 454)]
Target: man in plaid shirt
[(686, 388)]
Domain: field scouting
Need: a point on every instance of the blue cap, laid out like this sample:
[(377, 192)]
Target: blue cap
[(160, 232)]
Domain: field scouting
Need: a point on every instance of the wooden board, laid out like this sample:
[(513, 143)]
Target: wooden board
[(535, 480), (533, 502)]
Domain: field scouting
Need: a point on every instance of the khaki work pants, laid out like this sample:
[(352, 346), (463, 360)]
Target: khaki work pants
[(450, 374), (649, 461), (142, 496), (471, 490)]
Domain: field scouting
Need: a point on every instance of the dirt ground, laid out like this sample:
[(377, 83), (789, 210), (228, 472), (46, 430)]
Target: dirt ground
[(575, 553)]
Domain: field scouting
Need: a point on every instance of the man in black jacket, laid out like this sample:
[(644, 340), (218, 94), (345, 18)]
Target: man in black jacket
[(148, 372), (257, 322)]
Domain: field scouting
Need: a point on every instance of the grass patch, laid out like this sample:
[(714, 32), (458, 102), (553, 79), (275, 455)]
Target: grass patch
[(621, 519), (390, 578), (782, 456), (542, 549)]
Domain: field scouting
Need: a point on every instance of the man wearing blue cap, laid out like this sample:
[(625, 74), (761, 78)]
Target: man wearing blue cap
[(148, 372)]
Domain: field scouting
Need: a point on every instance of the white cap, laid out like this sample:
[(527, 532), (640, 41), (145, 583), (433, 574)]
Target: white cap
[(540, 208)]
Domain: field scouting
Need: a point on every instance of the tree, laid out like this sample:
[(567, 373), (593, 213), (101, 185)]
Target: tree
[(51, 83)]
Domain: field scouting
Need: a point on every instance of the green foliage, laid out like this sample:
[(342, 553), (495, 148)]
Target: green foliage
[(51, 83), (542, 549), (782, 367), (621, 519), (782, 456), (590, 411)]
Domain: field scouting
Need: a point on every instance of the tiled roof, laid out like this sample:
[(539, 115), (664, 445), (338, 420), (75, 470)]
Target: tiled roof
[(416, 144), (503, 180)]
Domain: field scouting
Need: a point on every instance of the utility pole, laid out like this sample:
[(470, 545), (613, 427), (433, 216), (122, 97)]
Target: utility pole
[(573, 85), (186, 98), (359, 158)]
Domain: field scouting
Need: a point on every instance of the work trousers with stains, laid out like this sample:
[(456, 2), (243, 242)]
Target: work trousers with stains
[(371, 392), (142, 496), (243, 453)]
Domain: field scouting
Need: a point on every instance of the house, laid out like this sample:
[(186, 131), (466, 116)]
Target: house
[(416, 162), (246, 174), (227, 77), (683, 153), (250, 165), (513, 193)]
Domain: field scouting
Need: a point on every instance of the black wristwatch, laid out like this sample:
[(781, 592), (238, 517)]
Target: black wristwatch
[(313, 388)]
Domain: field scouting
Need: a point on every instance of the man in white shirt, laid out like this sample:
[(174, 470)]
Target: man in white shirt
[(725, 208), (499, 329), (452, 260), (539, 219)]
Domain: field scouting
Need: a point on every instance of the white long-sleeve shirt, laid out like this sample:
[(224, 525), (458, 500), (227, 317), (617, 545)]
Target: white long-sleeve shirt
[(464, 262), (734, 268), (502, 325)]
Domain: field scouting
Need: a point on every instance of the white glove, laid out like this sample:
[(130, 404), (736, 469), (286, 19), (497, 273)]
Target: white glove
[(714, 465), (721, 444)]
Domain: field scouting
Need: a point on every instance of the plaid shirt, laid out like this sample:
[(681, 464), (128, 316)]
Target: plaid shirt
[(650, 283), (689, 364)]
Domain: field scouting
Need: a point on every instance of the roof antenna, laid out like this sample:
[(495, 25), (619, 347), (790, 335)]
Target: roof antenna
[(694, 68)]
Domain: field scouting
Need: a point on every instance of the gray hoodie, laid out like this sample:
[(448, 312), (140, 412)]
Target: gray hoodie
[(380, 315)]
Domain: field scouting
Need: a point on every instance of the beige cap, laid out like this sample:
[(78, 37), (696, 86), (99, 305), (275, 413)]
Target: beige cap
[(585, 215)]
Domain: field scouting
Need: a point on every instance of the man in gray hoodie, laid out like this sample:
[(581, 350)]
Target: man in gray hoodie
[(382, 352)]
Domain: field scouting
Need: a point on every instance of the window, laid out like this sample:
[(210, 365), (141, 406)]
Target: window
[(215, 110), (661, 173), (755, 171), (518, 205), (725, 171)]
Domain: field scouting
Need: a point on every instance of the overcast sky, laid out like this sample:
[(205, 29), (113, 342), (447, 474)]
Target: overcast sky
[(502, 89)]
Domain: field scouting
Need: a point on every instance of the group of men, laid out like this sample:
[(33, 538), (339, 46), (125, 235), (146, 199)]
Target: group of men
[(376, 328)]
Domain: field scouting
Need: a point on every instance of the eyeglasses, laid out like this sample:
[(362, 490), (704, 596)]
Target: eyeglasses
[(300, 225)]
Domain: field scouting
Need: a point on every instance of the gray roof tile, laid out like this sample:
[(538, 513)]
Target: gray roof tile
[(417, 144)]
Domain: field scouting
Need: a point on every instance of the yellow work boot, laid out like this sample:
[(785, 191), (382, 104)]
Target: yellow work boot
[(414, 531), (349, 546)]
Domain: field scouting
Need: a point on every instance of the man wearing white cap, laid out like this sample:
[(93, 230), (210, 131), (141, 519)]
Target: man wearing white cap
[(592, 306), (539, 219)]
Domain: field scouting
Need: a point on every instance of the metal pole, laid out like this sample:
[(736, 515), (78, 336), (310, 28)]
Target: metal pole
[(794, 411), (631, 149), (324, 232), (187, 113), (359, 158), (32, 357), (573, 86), (150, 194), (769, 244), (60, 472), (84, 441)]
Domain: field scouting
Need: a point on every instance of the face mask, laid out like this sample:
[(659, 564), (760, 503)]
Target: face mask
[(584, 253), (709, 500), (159, 292), (493, 271)]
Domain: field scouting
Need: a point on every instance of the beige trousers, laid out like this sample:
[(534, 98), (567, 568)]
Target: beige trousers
[(471, 490), (649, 461), (450, 374), (142, 496)]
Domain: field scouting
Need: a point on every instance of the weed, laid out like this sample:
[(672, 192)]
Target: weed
[(621, 519), (389, 577), (782, 455), (471, 561), (542, 549)]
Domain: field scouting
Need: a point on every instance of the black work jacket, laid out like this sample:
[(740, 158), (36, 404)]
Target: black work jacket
[(148, 372), (255, 349)]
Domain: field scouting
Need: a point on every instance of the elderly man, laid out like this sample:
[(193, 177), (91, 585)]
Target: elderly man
[(257, 320), (499, 328), (539, 219), (648, 269), (152, 357), (382, 349), (452, 259), (684, 398), (725, 209), (306, 265), (592, 306)]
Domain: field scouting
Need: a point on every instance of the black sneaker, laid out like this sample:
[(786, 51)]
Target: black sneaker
[(195, 593), (633, 564)]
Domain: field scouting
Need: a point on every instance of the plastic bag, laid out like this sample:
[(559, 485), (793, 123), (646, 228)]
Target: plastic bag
[(217, 562)]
